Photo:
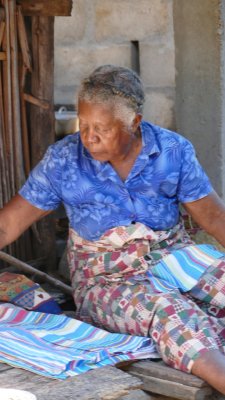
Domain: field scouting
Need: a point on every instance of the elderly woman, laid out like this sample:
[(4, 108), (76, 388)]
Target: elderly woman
[(133, 267)]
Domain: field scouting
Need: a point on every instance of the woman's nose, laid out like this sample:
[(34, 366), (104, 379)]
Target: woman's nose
[(92, 137)]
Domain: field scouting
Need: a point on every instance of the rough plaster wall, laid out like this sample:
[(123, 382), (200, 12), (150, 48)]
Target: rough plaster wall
[(101, 31), (199, 38), (222, 33)]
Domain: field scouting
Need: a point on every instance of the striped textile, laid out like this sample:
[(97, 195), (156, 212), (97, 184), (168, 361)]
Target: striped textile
[(57, 346), (183, 268)]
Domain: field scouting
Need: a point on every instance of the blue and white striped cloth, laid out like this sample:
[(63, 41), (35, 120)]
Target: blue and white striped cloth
[(58, 346), (183, 268)]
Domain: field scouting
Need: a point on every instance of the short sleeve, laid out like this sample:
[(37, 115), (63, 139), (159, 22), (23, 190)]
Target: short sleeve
[(42, 188), (194, 184)]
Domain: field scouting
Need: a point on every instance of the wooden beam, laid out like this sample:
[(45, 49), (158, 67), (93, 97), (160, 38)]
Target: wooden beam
[(42, 119), (46, 8), (161, 379), (37, 102), (2, 55)]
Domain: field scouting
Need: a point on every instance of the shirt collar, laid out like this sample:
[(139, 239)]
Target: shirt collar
[(149, 139)]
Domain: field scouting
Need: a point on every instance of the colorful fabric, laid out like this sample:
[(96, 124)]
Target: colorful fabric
[(59, 347), (183, 268), (165, 173), (182, 326), (21, 291), (114, 288), (168, 259)]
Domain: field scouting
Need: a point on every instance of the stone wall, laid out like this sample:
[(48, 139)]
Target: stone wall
[(131, 33), (200, 86)]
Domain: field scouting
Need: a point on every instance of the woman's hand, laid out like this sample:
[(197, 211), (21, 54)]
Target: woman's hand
[(209, 213), (15, 217)]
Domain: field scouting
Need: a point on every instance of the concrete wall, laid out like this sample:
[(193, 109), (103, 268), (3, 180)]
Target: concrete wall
[(200, 94), (131, 33), (177, 46)]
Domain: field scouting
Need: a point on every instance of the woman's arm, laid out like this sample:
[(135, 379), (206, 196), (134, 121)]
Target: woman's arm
[(15, 217), (209, 213)]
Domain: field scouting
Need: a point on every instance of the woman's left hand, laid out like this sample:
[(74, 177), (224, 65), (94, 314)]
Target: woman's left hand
[(209, 214)]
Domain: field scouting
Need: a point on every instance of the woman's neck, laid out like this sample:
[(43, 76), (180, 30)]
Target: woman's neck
[(124, 164)]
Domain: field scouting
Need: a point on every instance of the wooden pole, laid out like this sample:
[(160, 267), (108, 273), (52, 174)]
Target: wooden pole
[(31, 270), (17, 133), (7, 101), (42, 125), (25, 67)]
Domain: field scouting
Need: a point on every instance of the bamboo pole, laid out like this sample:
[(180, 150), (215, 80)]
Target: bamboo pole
[(3, 162), (15, 150), (26, 66), (3, 179), (17, 135), (22, 35), (2, 29), (7, 101), (31, 270)]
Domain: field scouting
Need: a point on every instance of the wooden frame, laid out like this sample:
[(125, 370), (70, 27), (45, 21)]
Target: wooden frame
[(46, 8)]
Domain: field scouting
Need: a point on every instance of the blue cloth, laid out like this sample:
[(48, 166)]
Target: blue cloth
[(165, 173), (59, 347), (183, 268)]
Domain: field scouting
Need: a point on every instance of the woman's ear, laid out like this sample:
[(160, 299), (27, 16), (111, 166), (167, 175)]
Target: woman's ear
[(136, 122)]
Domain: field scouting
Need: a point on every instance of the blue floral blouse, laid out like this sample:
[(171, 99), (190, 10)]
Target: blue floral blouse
[(165, 173)]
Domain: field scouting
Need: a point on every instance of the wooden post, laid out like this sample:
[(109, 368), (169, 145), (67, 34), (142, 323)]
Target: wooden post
[(42, 119)]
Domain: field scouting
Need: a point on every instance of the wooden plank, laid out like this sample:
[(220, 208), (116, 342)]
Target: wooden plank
[(160, 370), (2, 14), (37, 102), (2, 30), (42, 121), (2, 55), (4, 367), (46, 8), (173, 389), (23, 379), (138, 395), (102, 383)]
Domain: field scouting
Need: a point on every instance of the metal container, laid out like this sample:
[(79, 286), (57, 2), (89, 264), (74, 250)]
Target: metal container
[(66, 122)]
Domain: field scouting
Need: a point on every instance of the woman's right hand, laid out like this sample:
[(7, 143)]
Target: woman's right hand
[(15, 217)]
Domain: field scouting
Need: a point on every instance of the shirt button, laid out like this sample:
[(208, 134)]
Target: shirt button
[(132, 216)]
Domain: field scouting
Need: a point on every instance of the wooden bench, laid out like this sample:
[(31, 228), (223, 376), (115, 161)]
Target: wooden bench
[(158, 378), (108, 383), (141, 380)]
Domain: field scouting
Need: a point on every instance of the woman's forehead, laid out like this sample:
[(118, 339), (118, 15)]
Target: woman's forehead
[(102, 110)]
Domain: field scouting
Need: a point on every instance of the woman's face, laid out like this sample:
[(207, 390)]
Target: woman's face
[(104, 136)]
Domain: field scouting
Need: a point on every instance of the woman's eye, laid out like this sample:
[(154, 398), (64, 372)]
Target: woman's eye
[(82, 127), (103, 130)]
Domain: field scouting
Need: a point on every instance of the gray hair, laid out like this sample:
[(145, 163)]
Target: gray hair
[(115, 85)]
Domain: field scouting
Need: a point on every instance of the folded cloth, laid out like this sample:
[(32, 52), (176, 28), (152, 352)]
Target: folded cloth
[(57, 346), (21, 291), (183, 268)]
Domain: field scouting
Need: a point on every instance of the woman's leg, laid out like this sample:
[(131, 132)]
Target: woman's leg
[(211, 367), (184, 335), (211, 289)]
